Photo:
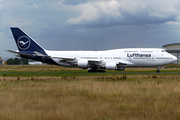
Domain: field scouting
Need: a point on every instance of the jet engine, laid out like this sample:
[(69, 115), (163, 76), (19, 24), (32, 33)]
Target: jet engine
[(82, 64), (111, 66), (114, 66)]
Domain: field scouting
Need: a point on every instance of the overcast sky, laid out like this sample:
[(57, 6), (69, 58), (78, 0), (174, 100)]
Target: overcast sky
[(91, 24)]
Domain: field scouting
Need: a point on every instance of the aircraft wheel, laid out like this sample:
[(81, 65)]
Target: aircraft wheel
[(95, 70), (101, 71), (91, 70), (158, 71)]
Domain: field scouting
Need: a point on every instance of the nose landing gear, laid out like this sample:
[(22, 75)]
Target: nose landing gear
[(158, 70)]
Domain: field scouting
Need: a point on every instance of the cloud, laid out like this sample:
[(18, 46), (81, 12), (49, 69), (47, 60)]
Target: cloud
[(74, 2), (91, 24), (123, 12), (94, 11)]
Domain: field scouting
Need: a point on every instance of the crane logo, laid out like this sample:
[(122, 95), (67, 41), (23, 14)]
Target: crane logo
[(23, 43)]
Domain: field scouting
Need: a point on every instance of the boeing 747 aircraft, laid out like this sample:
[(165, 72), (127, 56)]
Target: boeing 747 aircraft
[(116, 59)]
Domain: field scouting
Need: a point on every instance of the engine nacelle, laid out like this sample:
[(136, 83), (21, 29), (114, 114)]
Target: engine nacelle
[(82, 64), (111, 66), (114, 66)]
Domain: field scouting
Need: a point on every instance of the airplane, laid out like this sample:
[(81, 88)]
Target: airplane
[(94, 61)]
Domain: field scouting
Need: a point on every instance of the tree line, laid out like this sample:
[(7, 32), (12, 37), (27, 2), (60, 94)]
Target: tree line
[(17, 61)]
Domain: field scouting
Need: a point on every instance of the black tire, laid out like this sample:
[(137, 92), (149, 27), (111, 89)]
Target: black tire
[(101, 71), (158, 71)]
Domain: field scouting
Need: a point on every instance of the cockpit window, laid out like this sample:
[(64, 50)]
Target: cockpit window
[(163, 50)]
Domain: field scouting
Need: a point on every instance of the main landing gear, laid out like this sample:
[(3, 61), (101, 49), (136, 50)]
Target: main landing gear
[(158, 70), (93, 70)]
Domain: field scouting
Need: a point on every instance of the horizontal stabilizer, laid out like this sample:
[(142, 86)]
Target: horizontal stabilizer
[(20, 53)]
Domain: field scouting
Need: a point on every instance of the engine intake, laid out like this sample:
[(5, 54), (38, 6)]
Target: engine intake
[(82, 64)]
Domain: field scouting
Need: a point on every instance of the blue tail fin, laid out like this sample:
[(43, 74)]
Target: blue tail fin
[(24, 42), (28, 48)]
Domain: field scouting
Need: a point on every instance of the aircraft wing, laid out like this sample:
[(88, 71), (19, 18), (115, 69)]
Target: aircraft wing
[(125, 62), (92, 60), (73, 60), (64, 58)]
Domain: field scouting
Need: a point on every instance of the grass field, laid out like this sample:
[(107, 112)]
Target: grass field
[(50, 70), (53, 92)]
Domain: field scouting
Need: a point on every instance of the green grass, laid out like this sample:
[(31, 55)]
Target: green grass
[(84, 73), (50, 70)]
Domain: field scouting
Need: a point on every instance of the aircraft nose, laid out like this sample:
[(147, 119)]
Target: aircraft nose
[(174, 58)]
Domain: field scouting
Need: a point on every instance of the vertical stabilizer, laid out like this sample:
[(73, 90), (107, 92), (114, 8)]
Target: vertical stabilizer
[(24, 42)]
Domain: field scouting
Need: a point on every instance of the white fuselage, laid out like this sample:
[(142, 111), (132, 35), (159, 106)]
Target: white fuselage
[(132, 57)]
